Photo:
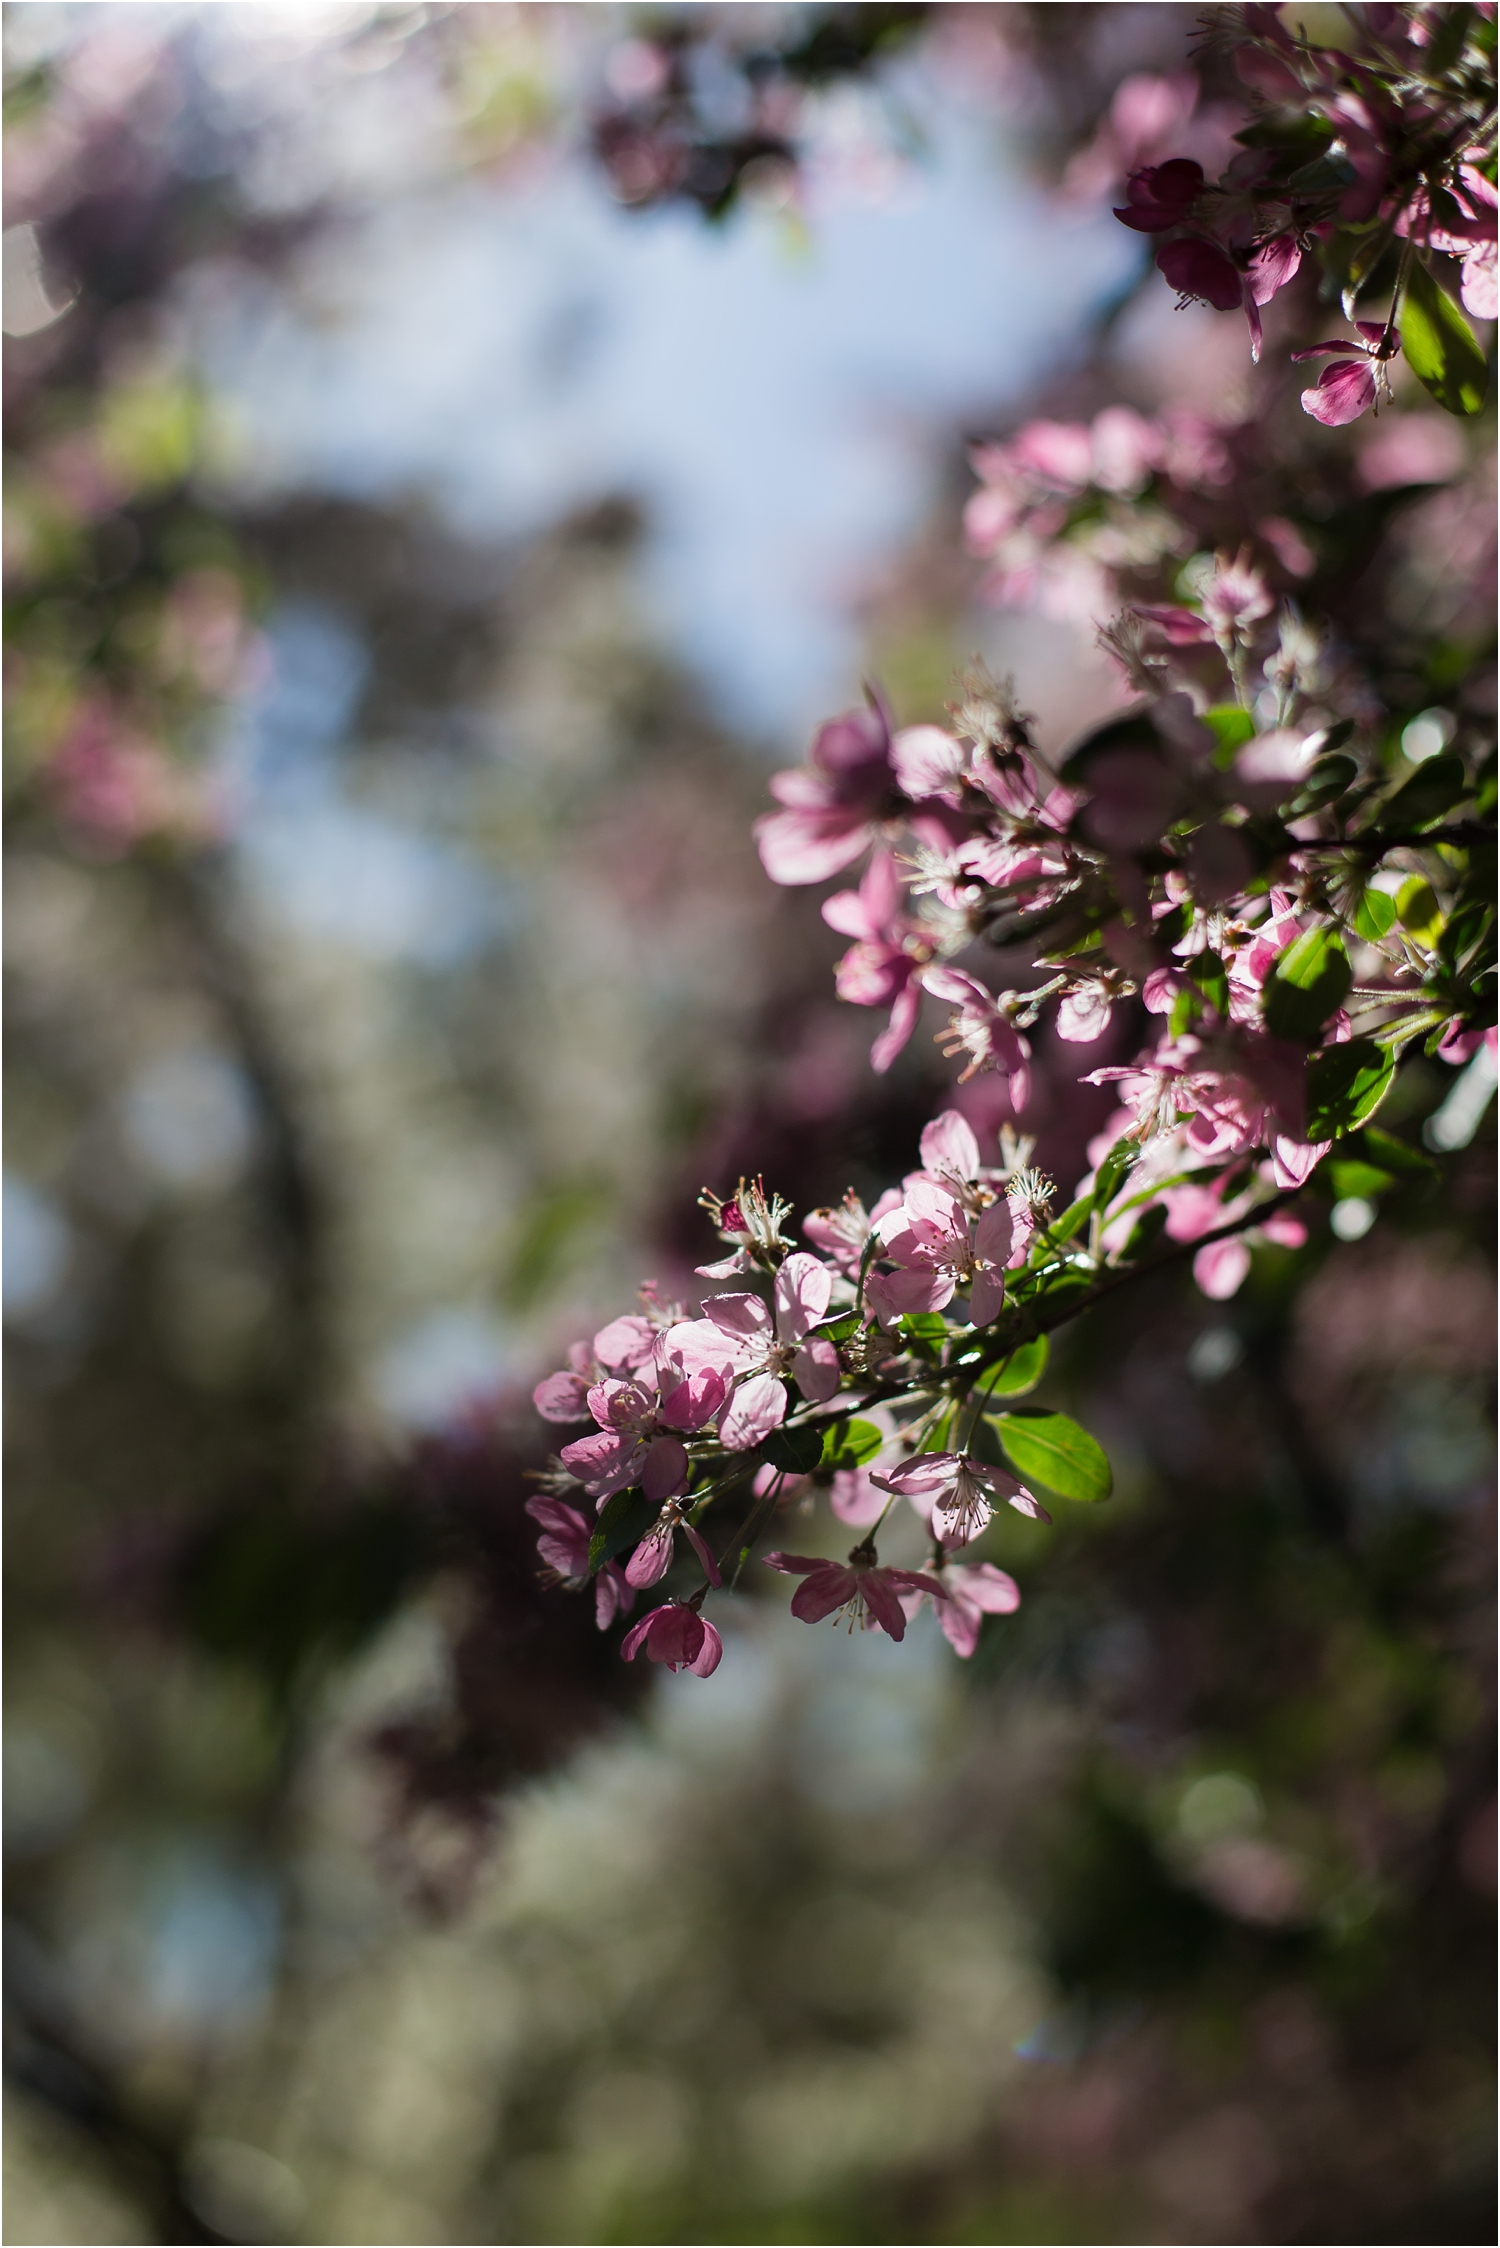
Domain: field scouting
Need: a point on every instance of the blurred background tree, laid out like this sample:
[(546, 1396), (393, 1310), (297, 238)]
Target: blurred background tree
[(452, 453)]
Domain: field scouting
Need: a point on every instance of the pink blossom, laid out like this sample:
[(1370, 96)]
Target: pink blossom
[(619, 1349), (1234, 597), (631, 1446), (878, 970), (960, 1494), (980, 1028), (764, 1345), (1161, 195), (929, 1238), (1347, 388), (842, 1233), (855, 1498), (975, 1590), (1221, 1267), (1208, 272), (1083, 1013), (835, 804), (677, 1636), (950, 1158), (872, 1595), (564, 1546), (653, 1556)]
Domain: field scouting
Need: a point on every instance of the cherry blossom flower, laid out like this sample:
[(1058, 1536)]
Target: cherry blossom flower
[(881, 969), (929, 1238), (677, 1636), (632, 1446), (835, 804), (1243, 278), (1159, 196), (764, 1344), (950, 1158), (843, 1233), (653, 1556), (959, 1494), (981, 1028), (1352, 383), (870, 1594), (752, 1220), (618, 1350), (975, 1590), (564, 1546)]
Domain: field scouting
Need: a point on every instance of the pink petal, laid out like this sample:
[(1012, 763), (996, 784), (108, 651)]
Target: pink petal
[(700, 1546), (710, 1648), (948, 1144), (885, 1609), (666, 1468), (758, 1406), (803, 1287), (1272, 266), (903, 1022), (891, 1294), (986, 1296), (816, 1370), (796, 1564), (562, 1397), (1342, 394), (855, 1498), (625, 1343), (1198, 269), (992, 1235), (1480, 293), (798, 847), (740, 1315), (818, 1596), (651, 1559), (1221, 1268), (1024, 1503), (1294, 1161), (847, 912)]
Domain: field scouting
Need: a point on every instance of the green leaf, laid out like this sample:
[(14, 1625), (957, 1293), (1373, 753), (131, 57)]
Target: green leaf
[(1466, 926), (1433, 789), (1375, 916), (1056, 1293), (1310, 980), (623, 1521), (1440, 345), (1077, 1214), (1206, 970), (1345, 1084), (1358, 1179), (1184, 1013), (1144, 1233), (1113, 1172), (1329, 778), (1015, 1375), (927, 1329), (1231, 728), (796, 1451), (839, 1329), (1394, 1155), (1417, 909), (1049, 1448), (849, 1444)]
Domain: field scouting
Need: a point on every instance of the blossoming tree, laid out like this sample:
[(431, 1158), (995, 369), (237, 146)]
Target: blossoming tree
[(1243, 860)]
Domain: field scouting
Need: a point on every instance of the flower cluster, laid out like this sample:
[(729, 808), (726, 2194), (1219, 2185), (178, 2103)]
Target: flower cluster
[(1250, 888), (1374, 150)]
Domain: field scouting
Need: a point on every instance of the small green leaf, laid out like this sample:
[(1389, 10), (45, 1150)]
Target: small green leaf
[(1394, 1155), (623, 1521), (1207, 971), (840, 1329), (1049, 1448), (1184, 1013), (927, 1329), (1433, 789), (1465, 929), (1015, 1375), (796, 1451), (1417, 909), (849, 1444), (1310, 980), (1358, 1179), (1077, 1214), (1440, 345), (1231, 728), (1375, 916), (1113, 1172), (1345, 1084), (1329, 778), (1144, 1233)]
